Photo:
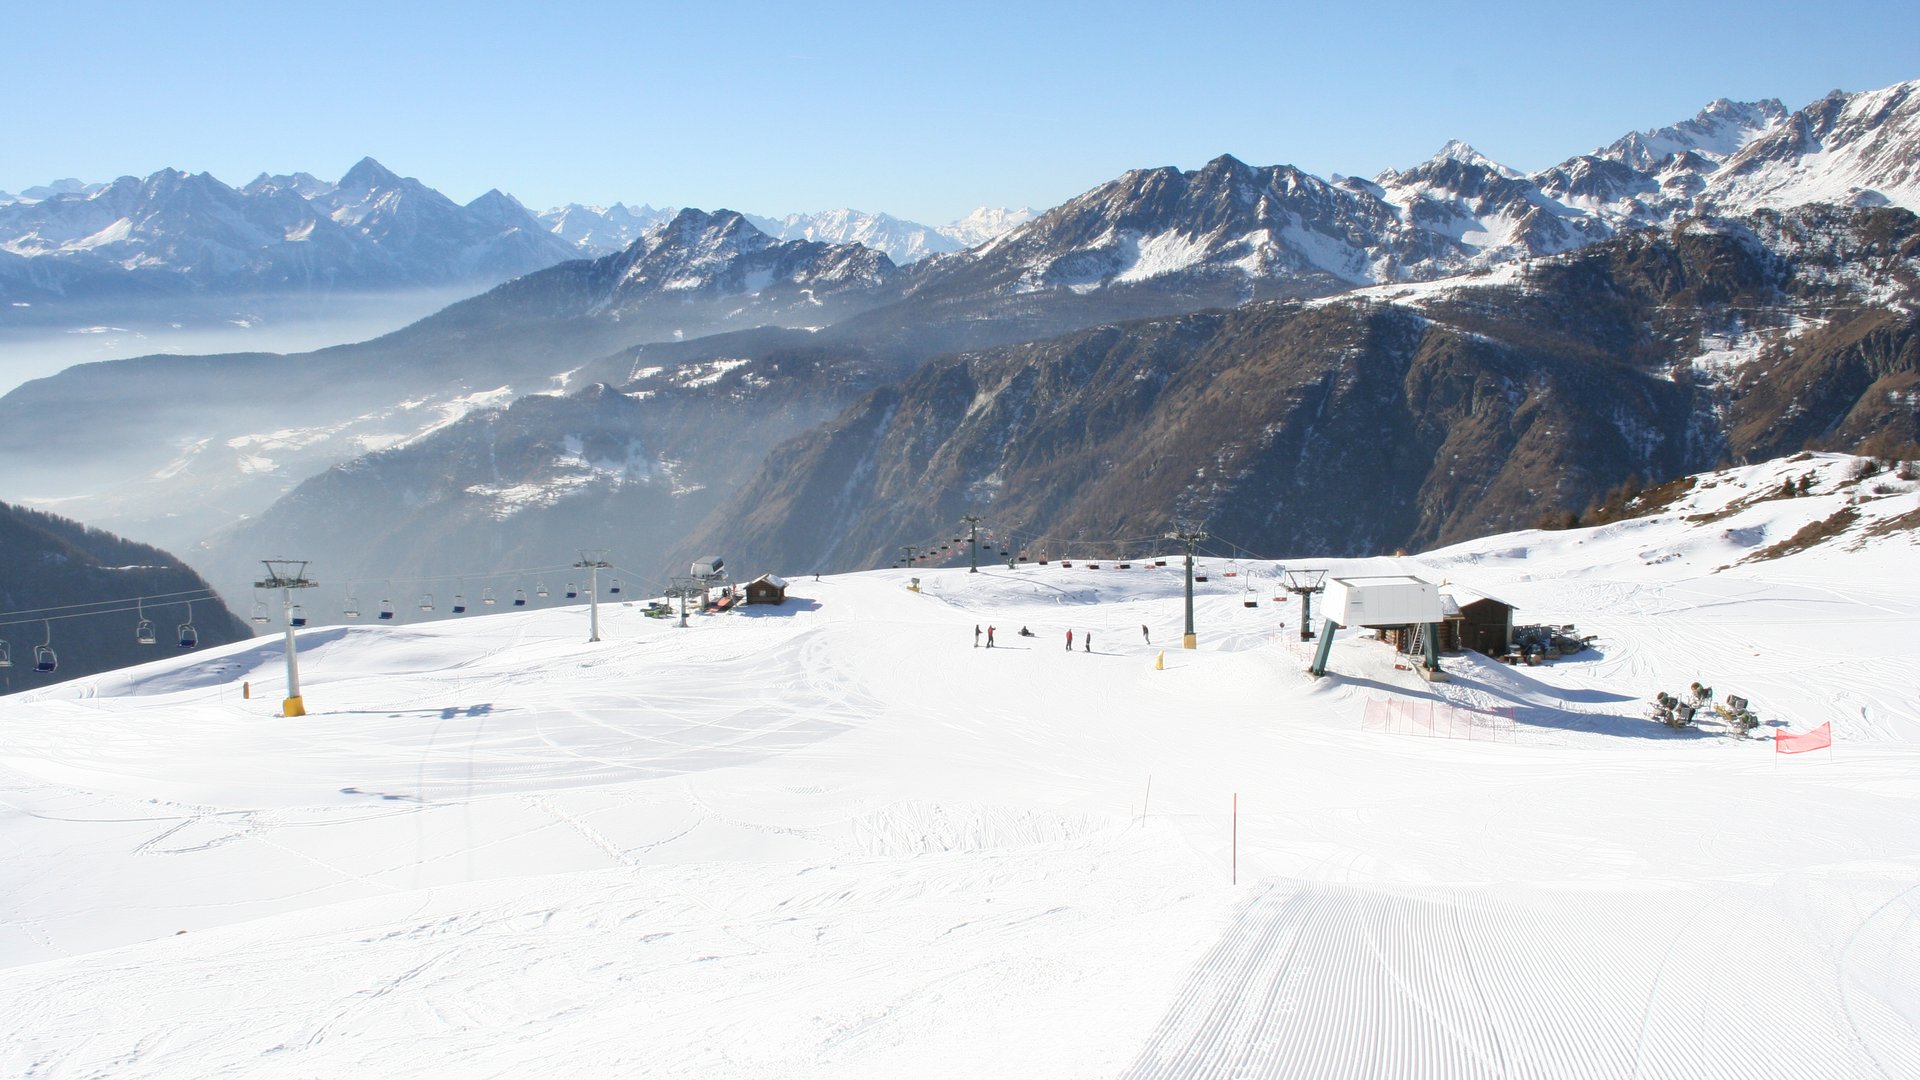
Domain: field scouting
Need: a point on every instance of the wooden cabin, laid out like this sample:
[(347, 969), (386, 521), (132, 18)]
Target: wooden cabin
[(1469, 620), (767, 589)]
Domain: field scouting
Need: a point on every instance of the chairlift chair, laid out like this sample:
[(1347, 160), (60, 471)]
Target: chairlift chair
[(44, 660), (143, 632), (260, 611), (426, 601), (6, 654), (487, 597), (459, 604), (350, 609), (1250, 600), (540, 590), (386, 610), (615, 587), (189, 637), (299, 616), (571, 591), (519, 598)]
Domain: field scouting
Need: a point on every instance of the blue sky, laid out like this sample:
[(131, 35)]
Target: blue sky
[(924, 111)]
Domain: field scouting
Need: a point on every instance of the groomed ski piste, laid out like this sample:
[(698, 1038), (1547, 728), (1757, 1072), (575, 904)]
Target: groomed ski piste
[(835, 839)]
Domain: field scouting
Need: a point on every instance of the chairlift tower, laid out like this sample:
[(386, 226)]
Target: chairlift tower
[(973, 543), (288, 575), (1304, 583), (593, 560), (1190, 537), (705, 575)]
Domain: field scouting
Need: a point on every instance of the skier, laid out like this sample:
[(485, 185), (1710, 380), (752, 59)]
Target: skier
[(1069, 641), (976, 635), (1089, 640), (989, 637), (1144, 636)]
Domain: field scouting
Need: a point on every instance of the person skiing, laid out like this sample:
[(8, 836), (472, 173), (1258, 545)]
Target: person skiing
[(976, 635), (1088, 638), (1069, 641), (1144, 636), (989, 637)]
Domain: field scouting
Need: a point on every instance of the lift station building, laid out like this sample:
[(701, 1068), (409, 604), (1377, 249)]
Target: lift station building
[(1378, 602)]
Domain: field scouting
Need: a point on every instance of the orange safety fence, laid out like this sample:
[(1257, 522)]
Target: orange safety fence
[(1437, 720)]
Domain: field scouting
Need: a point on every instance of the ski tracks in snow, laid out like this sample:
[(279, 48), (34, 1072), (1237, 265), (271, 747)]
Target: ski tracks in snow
[(1329, 980)]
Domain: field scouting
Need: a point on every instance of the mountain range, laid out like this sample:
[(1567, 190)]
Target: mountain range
[(1236, 345)]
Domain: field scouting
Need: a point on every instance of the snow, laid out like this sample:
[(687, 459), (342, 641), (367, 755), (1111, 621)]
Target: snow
[(1150, 256), (834, 839), (709, 372)]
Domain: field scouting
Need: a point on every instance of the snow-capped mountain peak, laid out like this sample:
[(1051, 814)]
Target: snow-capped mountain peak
[(602, 230), (1716, 133), (1456, 150), (367, 174), (1848, 149), (986, 223)]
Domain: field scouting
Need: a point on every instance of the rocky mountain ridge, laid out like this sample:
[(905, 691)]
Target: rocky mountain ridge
[(1393, 417), (713, 310)]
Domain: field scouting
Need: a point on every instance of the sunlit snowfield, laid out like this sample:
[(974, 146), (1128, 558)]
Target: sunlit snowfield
[(835, 839)]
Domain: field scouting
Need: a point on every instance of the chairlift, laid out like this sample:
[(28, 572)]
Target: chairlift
[(1126, 566), (44, 660), (487, 597), (6, 654), (386, 610), (426, 601), (571, 591), (540, 590), (615, 587), (299, 616), (1159, 562), (260, 611), (459, 604), (1199, 577), (1250, 600), (1068, 563), (1093, 566), (519, 598), (143, 630), (189, 637)]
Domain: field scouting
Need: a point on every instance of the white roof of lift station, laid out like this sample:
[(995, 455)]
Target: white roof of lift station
[(1388, 600)]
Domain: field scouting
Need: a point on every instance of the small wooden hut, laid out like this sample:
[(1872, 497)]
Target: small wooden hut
[(767, 589)]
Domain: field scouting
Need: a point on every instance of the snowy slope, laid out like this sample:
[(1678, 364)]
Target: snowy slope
[(834, 839)]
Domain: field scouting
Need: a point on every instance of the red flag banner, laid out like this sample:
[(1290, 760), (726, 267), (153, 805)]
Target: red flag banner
[(1818, 739)]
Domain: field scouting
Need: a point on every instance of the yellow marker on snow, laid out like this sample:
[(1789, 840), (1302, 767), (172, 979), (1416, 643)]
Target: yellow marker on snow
[(1160, 662)]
